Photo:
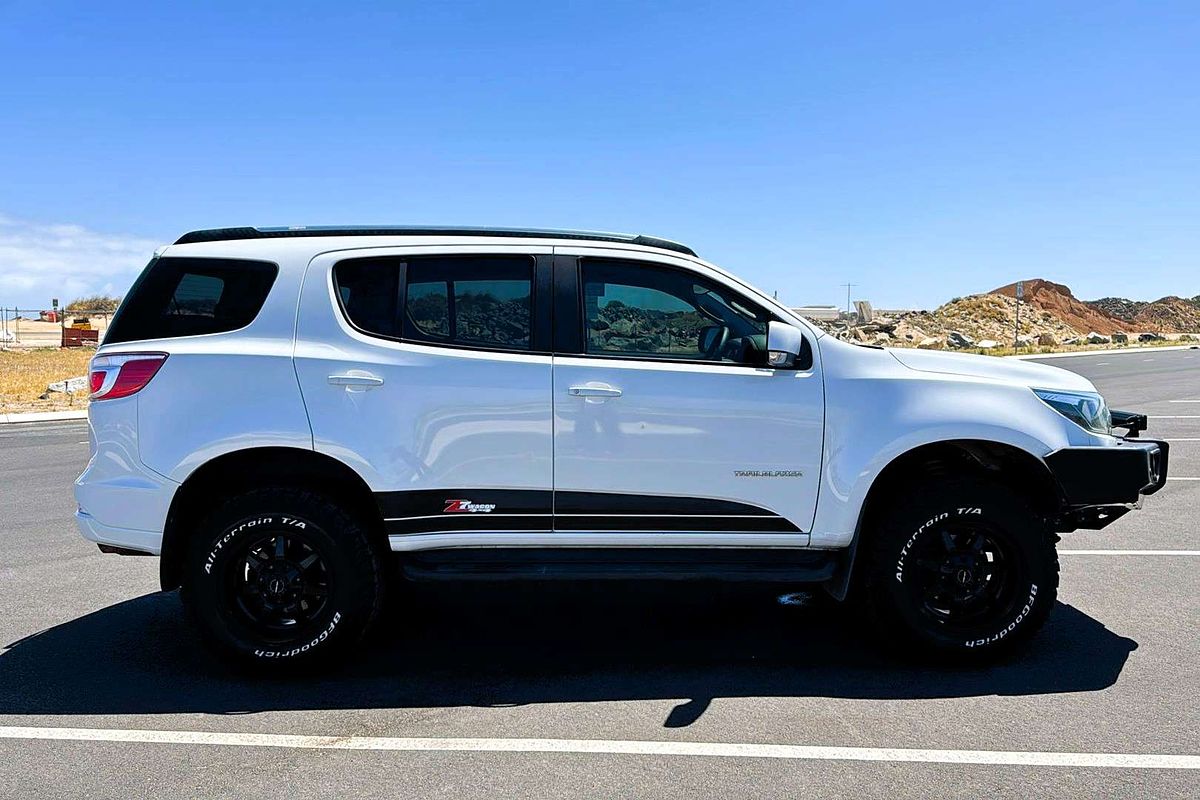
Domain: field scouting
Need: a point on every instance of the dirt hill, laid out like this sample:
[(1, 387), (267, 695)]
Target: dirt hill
[(1057, 300), (1168, 315), (1050, 315), (992, 316), (1165, 315)]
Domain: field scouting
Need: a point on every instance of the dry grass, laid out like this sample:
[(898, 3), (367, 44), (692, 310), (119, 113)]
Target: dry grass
[(1038, 350), (25, 373)]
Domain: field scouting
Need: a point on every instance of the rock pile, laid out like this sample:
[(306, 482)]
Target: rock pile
[(1165, 315), (1168, 315), (1118, 307), (977, 322)]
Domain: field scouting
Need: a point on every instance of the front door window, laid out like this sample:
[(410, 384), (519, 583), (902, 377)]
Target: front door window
[(634, 310)]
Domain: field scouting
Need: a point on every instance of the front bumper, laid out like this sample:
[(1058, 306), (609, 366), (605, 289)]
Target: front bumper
[(1099, 484)]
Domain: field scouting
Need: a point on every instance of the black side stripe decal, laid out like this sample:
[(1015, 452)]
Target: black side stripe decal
[(466, 510), (466, 523), (611, 503), (667, 524)]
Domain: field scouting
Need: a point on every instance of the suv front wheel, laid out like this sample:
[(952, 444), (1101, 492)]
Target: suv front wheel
[(964, 570), (282, 577)]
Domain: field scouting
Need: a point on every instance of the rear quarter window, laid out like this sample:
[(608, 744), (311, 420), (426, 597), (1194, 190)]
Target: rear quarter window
[(191, 296)]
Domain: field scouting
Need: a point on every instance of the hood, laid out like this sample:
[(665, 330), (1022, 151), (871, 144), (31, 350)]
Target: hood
[(1008, 370)]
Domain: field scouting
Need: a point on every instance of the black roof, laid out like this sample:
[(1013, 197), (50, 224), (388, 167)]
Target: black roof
[(227, 234)]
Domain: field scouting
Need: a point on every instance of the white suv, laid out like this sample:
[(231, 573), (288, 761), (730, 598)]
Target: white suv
[(276, 412)]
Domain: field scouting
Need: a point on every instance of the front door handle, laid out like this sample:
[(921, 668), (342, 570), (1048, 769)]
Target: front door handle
[(594, 391), (356, 381)]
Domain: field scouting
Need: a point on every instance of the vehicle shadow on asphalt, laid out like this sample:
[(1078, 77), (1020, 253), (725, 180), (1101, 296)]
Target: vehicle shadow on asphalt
[(489, 645)]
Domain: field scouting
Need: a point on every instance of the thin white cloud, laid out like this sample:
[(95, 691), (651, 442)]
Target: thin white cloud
[(39, 261)]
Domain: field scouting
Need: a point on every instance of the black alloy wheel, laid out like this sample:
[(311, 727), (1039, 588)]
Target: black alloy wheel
[(966, 574), (278, 583)]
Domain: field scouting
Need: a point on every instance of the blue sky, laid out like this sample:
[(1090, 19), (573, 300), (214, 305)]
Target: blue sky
[(919, 150)]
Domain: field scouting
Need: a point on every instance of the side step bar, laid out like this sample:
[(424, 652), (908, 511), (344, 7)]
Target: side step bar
[(504, 564)]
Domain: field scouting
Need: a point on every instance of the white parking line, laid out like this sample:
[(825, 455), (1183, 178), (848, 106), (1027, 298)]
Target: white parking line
[(1171, 478), (1129, 552), (1168, 416), (1183, 401), (606, 747)]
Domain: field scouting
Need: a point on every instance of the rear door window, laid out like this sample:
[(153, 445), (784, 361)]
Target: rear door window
[(461, 301), (477, 302), (190, 296)]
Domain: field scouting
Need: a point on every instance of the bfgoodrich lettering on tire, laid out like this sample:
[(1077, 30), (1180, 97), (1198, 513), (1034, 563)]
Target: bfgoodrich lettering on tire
[(281, 577), (964, 569)]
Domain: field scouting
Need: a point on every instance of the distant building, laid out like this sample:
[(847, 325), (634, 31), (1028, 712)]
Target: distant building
[(819, 313)]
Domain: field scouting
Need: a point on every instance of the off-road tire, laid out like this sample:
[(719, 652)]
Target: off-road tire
[(909, 537), (218, 578)]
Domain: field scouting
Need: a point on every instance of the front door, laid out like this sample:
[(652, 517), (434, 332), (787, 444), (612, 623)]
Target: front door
[(668, 425)]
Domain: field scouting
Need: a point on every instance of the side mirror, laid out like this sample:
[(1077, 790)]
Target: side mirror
[(784, 345)]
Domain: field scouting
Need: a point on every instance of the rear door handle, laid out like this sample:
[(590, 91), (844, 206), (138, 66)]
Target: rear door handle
[(594, 391), (356, 380)]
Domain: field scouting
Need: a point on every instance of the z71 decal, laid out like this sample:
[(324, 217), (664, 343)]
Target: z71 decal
[(467, 507)]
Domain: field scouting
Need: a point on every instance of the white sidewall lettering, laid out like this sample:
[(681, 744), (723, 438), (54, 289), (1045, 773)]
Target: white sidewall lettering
[(913, 539), (1033, 590), (295, 651)]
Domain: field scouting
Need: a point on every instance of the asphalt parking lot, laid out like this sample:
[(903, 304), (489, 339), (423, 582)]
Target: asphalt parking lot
[(608, 690)]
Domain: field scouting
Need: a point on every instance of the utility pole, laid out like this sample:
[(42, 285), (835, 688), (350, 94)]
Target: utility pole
[(1017, 325), (848, 286)]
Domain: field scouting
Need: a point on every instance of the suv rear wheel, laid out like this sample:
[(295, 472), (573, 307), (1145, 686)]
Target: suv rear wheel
[(282, 576), (965, 570)]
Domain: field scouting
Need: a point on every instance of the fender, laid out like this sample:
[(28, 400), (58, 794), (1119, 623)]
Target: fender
[(877, 410)]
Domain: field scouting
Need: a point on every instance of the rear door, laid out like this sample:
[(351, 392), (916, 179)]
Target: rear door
[(429, 373), (669, 427)]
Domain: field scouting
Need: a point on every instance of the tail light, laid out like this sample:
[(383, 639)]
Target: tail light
[(123, 374)]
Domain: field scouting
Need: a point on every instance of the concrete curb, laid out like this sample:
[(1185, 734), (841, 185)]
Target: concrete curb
[(1109, 352), (42, 416)]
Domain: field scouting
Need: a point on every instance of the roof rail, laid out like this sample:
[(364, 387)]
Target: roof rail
[(228, 234)]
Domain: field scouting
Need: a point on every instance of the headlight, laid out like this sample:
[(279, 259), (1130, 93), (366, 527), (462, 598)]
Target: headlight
[(1086, 409)]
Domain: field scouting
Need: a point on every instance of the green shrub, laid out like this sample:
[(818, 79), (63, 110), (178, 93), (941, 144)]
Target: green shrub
[(98, 302)]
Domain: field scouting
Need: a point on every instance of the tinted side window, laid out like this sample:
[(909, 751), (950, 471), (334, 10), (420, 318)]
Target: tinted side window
[(369, 289), (429, 308), (190, 296), (644, 311), (472, 301), (477, 301)]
